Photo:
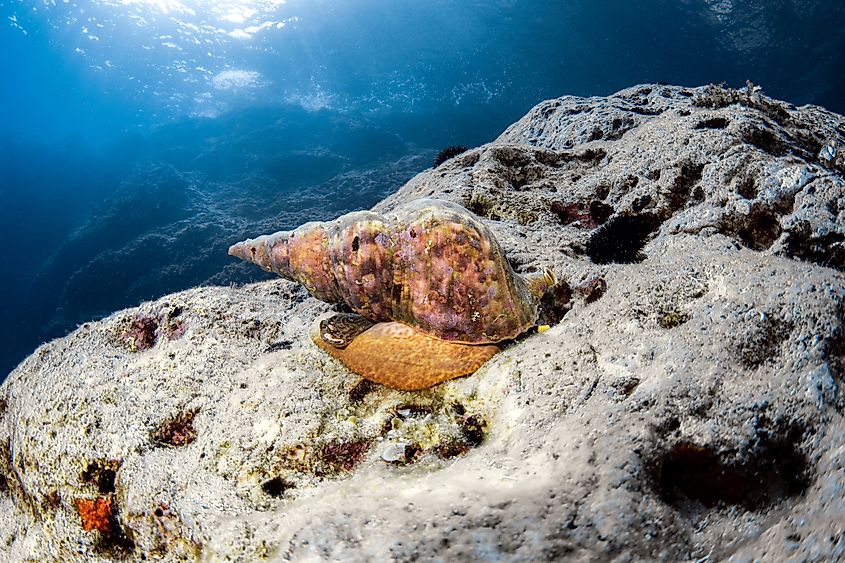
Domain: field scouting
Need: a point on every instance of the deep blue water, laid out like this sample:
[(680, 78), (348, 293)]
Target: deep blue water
[(139, 138)]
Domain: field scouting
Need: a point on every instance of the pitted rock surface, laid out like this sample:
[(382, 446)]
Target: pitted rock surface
[(686, 404)]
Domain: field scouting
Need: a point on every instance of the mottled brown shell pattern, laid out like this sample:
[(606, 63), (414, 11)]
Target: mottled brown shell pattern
[(430, 264)]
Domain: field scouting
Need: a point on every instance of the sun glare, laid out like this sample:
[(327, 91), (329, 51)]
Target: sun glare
[(253, 15), (163, 6)]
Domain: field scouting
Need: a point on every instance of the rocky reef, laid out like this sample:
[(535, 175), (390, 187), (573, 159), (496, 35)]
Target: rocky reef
[(686, 403)]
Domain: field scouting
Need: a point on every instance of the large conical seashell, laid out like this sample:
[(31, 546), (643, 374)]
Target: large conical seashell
[(430, 264)]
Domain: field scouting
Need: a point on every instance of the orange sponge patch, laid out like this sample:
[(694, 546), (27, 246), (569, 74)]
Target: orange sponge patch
[(96, 514)]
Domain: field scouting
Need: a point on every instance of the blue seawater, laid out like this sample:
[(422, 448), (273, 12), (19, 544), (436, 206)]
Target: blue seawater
[(139, 138)]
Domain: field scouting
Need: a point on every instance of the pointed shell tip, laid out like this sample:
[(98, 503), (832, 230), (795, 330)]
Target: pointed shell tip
[(237, 250)]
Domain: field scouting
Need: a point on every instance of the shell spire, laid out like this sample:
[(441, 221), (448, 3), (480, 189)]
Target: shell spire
[(258, 251)]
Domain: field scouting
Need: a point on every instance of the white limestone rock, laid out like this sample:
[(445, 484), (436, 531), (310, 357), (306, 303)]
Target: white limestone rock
[(686, 404)]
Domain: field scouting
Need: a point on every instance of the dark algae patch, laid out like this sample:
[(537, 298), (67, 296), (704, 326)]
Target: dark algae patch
[(620, 240), (176, 431)]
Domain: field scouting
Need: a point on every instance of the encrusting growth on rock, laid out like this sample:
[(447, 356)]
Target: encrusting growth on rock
[(430, 265), (95, 514), (447, 153)]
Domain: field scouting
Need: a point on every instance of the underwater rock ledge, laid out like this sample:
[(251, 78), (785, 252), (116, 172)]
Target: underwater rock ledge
[(687, 401)]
